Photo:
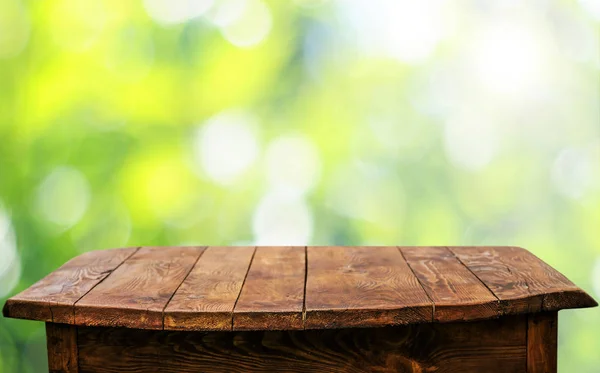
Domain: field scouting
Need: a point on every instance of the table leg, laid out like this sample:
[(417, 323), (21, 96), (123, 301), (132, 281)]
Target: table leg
[(542, 342), (62, 348)]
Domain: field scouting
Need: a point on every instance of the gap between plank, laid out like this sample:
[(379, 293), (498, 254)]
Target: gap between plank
[(182, 281), (99, 282), (305, 280), (420, 283), (242, 287), (477, 277)]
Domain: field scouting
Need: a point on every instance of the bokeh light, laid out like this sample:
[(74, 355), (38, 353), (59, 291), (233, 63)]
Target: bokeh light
[(249, 26), (592, 7), (346, 122), (169, 12), (293, 164), (226, 12), (63, 196), (406, 30), (10, 265), (573, 172), (282, 220), (471, 140), (507, 59), (226, 145)]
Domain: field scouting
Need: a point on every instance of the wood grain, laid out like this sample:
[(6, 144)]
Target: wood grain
[(521, 281), (542, 334), (205, 300), (457, 294), (136, 293), (52, 298), (491, 346), (61, 340), (345, 287), (362, 286), (273, 294)]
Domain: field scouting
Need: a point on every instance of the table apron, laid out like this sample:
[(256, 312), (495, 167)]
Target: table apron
[(522, 343)]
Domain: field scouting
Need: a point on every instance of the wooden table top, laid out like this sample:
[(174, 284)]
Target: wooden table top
[(264, 288)]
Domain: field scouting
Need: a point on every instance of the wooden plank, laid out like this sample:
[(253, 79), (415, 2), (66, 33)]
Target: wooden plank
[(362, 286), (52, 298), (344, 287), (61, 341), (521, 281), (273, 294), (136, 293), (542, 336), (457, 294), (206, 299), (491, 346)]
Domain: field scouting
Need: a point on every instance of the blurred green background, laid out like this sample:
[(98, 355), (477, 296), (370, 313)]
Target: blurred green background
[(173, 122)]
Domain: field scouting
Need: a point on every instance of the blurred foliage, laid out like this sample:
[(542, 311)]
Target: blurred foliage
[(230, 122)]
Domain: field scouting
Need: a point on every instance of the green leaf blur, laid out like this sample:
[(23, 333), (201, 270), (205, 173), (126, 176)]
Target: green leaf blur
[(227, 122)]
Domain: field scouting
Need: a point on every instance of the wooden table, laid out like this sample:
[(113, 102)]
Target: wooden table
[(301, 309)]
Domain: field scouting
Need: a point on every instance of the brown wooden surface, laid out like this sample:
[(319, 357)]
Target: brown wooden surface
[(457, 293), (491, 346), (362, 286), (273, 294), (542, 335), (225, 288), (137, 292), (61, 341), (521, 281), (206, 299), (52, 298)]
